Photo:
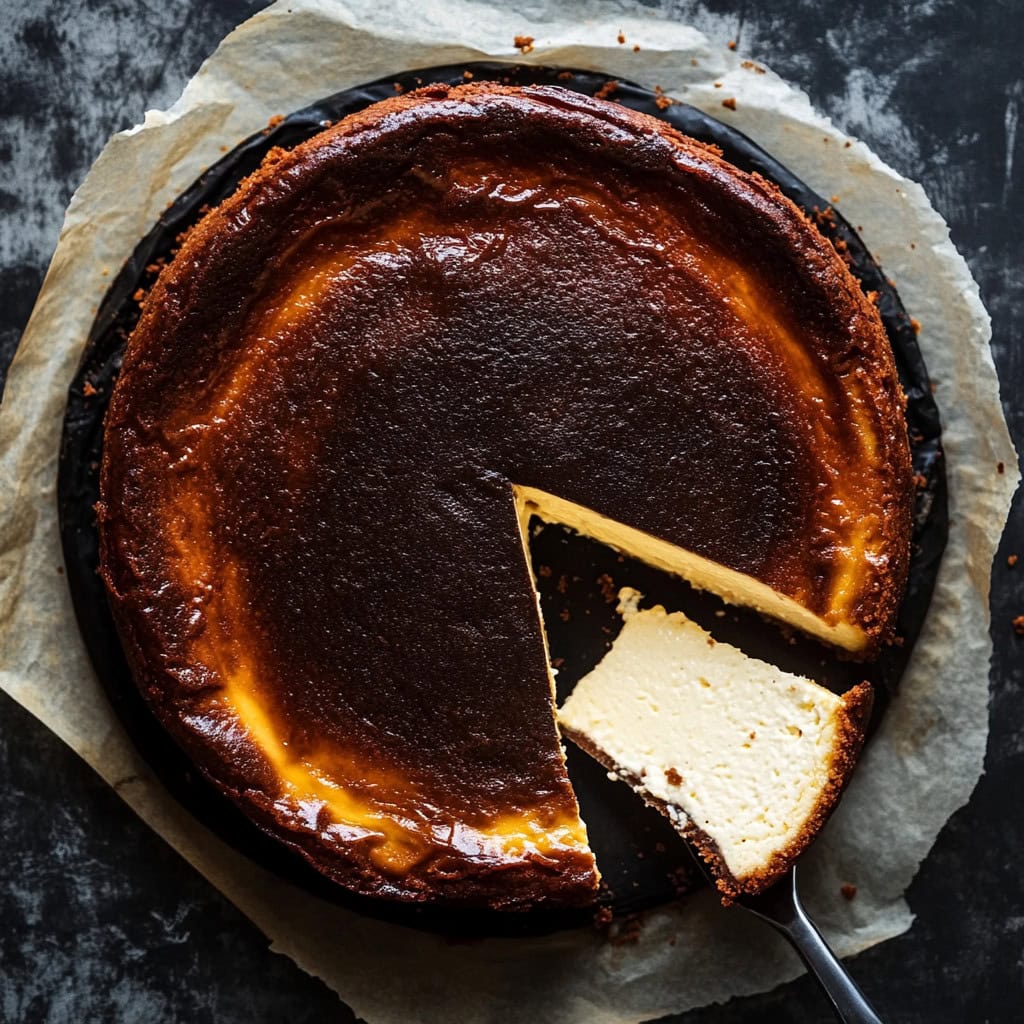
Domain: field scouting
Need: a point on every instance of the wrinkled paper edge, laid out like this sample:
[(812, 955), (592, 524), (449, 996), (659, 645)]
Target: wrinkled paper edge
[(928, 754)]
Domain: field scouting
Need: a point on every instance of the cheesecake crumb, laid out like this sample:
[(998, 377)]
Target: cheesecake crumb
[(565, 76), (636, 47), (544, 571), (1000, 468), (557, 662), (608, 89), (524, 44), (621, 38), (661, 101), (751, 66), (602, 918), (847, 144), (675, 779), (607, 585), (731, 44), (398, 87), (563, 584), (1011, 560), (849, 891), (920, 481), (729, 103), (88, 390), (627, 932), (1018, 625), (915, 324), (467, 75)]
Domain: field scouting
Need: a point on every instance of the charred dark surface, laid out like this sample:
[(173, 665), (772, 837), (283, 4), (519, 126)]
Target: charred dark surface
[(102, 921)]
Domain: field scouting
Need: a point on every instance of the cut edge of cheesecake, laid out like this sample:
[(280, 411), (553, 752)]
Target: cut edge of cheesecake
[(733, 587), (682, 772)]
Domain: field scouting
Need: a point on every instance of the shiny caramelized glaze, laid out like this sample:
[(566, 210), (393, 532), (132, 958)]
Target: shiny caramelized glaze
[(308, 523)]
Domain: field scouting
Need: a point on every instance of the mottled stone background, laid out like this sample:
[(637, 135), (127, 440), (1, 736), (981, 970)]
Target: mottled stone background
[(99, 919)]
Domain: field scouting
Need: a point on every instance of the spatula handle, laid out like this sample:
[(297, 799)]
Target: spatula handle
[(849, 1002)]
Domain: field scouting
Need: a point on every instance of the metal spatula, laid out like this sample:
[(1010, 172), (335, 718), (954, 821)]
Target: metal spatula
[(780, 907)]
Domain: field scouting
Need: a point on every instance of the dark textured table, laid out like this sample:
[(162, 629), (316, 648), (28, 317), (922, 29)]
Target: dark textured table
[(101, 921)]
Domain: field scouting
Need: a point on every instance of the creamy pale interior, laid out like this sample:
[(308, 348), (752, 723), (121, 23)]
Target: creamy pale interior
[(729, 744), (733, 587), (364, 369)]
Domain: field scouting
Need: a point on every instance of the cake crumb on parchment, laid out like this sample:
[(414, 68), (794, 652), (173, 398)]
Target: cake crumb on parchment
[(608, 89), (524, 44), (661, 101), (729, 103), (1018, 625), (849, 891), (1011, 560)]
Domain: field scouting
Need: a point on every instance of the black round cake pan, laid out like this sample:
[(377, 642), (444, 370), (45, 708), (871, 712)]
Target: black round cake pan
[(644, 862)]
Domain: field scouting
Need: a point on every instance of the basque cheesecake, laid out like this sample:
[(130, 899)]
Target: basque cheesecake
[(746, 760), (368, 368)]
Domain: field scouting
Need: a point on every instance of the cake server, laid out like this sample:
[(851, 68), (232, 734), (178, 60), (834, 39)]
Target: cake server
[(780, 907)]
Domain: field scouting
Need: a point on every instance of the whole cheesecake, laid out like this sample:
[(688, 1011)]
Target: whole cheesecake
[(365, 371)]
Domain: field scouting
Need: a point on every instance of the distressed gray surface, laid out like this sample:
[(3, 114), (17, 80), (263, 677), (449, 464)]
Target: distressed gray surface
[(99, 920)]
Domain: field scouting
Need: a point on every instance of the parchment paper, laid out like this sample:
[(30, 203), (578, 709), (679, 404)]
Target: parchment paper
[(920, 768)]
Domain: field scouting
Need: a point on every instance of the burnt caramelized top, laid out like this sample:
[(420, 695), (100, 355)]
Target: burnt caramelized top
[(308, 528)]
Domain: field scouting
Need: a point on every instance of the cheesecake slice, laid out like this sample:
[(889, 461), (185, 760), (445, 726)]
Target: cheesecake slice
[(746, 760)]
